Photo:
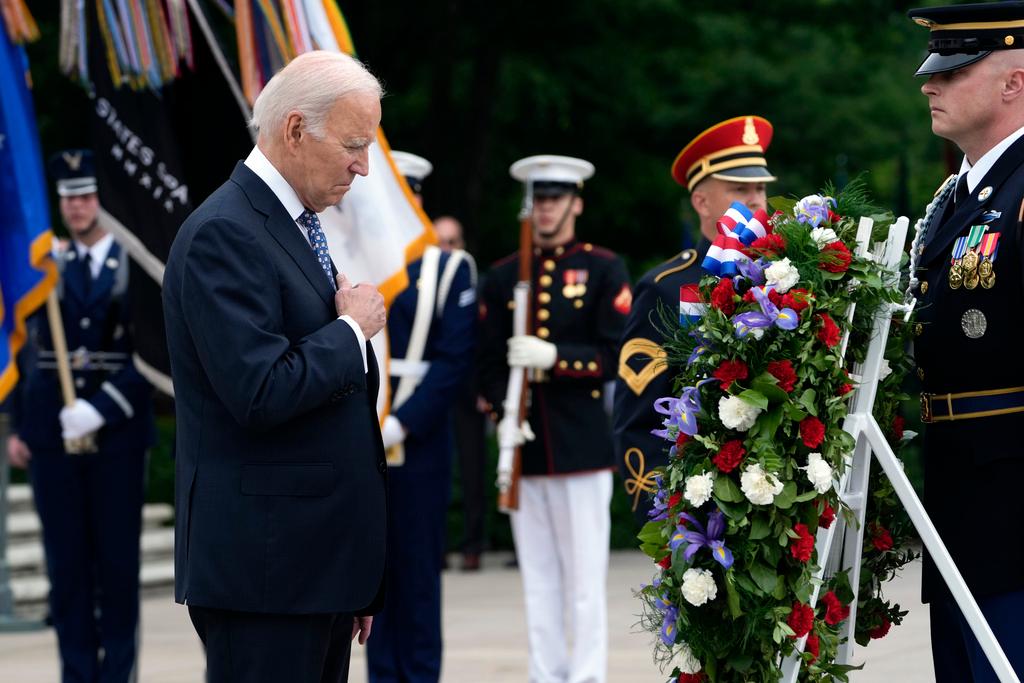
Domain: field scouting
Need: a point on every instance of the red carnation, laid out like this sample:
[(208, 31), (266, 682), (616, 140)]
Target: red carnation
[(833, 217), (812, 431), (801, 619), (813, 646), (770, 246), (897, 427), (775, 298), (729, 456), (797, 299), (835, 611), (880, 537), (676, 498), (722, 296), (801, 548), (829, 332), (828, 515), (692, 678), (666, 562), (834, 257), (783, 371), (844, 389), (881, 630), (748, 296), (681, 440), (729, 371)]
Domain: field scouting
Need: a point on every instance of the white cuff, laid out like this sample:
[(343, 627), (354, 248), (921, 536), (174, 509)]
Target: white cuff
[(359, 338)]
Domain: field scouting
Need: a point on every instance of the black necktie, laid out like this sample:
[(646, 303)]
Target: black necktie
[(87, 268), (961, 190)]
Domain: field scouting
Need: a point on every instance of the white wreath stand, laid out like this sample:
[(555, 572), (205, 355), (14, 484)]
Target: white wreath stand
[(861, 425)]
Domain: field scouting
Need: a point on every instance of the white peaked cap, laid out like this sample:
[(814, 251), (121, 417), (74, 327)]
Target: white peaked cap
[(412, 165), (550, 168)]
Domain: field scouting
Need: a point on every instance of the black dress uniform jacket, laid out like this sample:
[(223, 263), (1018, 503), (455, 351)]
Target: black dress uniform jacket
[(280, 474), (974, 467), (581, 298)]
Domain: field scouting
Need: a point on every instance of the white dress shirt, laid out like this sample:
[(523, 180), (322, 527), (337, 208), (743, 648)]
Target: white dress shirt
[(261, 166), (976, 172), (97, 253)]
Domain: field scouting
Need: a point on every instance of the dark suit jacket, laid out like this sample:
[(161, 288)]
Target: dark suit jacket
[(972, 467), (280, 472)]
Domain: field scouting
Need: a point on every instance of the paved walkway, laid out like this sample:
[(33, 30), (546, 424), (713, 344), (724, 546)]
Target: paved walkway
[(485, 637)]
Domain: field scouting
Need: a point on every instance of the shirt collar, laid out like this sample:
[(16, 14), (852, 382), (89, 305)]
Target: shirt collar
[(261, 166), (977, 172), (98, 251)]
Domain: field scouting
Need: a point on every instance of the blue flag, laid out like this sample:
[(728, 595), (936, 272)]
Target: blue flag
[(27, 271)]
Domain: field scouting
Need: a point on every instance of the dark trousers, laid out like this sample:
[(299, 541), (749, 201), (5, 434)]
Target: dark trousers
[(247, 647), (956, 652), (469, 429), (405, 646), (90, 506)]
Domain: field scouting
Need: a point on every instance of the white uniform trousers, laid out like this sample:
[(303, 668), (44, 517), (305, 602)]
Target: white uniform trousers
[(562, 531)]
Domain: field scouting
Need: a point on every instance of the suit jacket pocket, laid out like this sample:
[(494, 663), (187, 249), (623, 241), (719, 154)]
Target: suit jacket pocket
[(280, 479)]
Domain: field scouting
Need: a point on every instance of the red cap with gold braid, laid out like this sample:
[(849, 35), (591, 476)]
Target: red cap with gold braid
[(732, 150)]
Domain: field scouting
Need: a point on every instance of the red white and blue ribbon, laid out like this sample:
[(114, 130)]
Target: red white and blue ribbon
[(691, 308), (737, 228)]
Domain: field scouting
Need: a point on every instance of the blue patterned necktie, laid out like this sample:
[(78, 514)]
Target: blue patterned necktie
[(317, 241)]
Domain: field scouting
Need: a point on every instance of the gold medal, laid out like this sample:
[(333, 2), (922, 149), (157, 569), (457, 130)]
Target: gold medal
[(989, 282), (569, 291), (971, 280), (956, 276), (970, 262), (581, 290), (985, 269)]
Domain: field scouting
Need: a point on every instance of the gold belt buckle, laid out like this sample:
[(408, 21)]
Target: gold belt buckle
[(926, 407)]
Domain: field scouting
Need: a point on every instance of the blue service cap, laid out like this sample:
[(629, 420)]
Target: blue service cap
[(75, 172), (964, 34)]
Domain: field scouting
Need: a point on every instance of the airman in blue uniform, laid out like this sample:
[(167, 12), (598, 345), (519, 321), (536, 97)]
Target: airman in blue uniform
[(432, 338), (90, 503)]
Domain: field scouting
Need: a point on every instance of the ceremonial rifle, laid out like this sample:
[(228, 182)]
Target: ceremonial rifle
[(517, 391)]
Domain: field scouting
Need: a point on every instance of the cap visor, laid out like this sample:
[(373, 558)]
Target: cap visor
[(746, 174), (936, 63)]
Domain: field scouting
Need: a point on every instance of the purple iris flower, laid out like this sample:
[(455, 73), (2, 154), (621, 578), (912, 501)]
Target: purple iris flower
[(668, 626), (681, 414), (752, 270), (702, 347), (813, 209), (699, 537), (786, 319), (659, 507)]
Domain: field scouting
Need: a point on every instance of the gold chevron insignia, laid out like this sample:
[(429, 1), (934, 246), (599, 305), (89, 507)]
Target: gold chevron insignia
[(74, 161), (638, 346), (639, 480)]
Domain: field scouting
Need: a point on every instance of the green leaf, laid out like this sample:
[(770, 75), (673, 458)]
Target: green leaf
[(740, 663), (732, 596), (793, 412), (727, 490), (783, 204), (759, 528), (734, 511), (767, 384), (755, 398), (764, 576), (804, 497), (801, 589), (841, 586), (807, 401), (784, 500), (652, 533), (768, 423)]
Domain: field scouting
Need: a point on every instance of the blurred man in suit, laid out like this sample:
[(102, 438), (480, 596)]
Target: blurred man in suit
[(280, 471)]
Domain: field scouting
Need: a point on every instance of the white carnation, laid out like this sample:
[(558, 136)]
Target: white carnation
[(685, 660), (758, 486), (823, 236), (782, 275), (735, 413), (885, 371), (698, 586), (699, 488), (819, 472)]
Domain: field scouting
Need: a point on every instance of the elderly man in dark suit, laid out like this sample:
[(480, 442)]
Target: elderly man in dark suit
[(281, 477)]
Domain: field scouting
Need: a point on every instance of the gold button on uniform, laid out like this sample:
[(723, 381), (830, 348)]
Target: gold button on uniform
[(595, 393), (918, 329), (543, 332), (545, 280), (559, 251), (592, 366), (920, 373), (549, 265), (563, 365), (577, 365), (511, 305), (578, 303), (544, 297), (588, 247), (924, 287), (543, 314)]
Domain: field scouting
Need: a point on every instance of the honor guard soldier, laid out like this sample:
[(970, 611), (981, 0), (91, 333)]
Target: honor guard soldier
[(722, 165), (580, 299), (89, 503), (966, 272), (432, 337)]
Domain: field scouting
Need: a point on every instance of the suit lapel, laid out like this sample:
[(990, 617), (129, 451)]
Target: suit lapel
[(966, 215), (74, 276), (104, 282), (283, 229)]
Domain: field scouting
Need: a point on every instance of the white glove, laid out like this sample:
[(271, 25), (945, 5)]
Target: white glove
[(392, 431), (509, 433), (531, 352), (79, 419)]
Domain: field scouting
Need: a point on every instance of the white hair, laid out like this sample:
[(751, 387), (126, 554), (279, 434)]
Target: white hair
[(311, 84)]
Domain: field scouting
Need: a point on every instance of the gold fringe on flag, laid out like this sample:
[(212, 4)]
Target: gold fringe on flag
[(21, 27)]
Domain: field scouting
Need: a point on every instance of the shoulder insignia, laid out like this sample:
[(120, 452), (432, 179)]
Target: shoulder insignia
[(688, 258), (638, 346), (942, 185), (639, 480)]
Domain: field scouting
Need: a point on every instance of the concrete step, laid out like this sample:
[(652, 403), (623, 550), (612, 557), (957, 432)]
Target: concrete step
[(19, 498), (24, 524), (27, 556), (34, 589)]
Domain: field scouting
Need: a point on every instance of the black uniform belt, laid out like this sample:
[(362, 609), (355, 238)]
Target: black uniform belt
[(968, 405), (84, 360)]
